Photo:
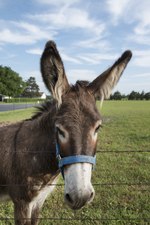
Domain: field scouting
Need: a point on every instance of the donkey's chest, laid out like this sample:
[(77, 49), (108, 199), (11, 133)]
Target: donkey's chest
[(41, 193), (41, 196)]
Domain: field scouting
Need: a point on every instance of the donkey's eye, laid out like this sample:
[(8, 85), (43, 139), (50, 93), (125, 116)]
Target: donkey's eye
[(97, 128), (60, 132)]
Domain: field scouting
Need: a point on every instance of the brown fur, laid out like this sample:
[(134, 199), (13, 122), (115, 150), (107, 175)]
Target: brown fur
[(28, 161), (35, 137)]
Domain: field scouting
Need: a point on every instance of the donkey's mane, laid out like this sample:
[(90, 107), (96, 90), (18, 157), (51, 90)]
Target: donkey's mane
[(44, 108), (52, 104)]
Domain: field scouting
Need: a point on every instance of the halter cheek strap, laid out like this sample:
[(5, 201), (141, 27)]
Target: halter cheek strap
[(72, 159)]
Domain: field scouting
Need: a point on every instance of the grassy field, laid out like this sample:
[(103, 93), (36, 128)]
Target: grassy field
[(17, 115), (122, 174)]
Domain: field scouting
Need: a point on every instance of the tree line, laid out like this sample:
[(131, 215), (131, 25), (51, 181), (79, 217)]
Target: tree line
[(132, 96), (12, 84)]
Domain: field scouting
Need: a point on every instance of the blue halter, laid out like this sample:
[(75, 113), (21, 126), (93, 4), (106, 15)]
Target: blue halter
[(72, 159)]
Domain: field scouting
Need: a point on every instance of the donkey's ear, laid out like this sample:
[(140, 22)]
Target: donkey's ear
[(53, 72), (102, 86)]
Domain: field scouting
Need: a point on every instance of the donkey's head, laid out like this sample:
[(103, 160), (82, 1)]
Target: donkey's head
[(77, 121)]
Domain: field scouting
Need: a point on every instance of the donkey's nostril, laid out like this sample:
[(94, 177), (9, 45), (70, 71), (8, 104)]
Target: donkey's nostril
[(92, 194), (68, 198)]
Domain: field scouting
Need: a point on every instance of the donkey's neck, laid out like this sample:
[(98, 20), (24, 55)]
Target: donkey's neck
[(38, 134), (47, 136)]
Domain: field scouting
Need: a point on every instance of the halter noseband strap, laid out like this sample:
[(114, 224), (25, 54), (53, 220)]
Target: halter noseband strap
[(72, 159)]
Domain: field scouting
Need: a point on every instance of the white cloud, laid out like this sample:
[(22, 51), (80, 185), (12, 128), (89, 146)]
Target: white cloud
[(97, 42), (97, 58), (141, 58), (35, 51), (128, 86), (70, 17), (80, 74), (7, 36), (23, 33), (117, 8), (134, 81), (142, 17), (89, 59), (71, 59), (139, 39), (142, 75), (64, 56), (135, 12), (141, 12), (142, 61), (142, 29), (141, 52), (57, 2)]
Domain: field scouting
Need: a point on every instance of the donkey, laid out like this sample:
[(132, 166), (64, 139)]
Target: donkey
[(61, 136)]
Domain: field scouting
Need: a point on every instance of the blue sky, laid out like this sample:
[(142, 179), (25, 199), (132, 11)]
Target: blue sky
[(90, 36)]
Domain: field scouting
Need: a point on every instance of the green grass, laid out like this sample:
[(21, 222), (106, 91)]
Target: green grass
[(123, 194), (17, 115)]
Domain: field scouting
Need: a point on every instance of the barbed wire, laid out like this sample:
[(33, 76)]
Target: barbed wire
[(127, 151), (94, 184), (99, 151), (146, 184), (73, 218), (82, 219)]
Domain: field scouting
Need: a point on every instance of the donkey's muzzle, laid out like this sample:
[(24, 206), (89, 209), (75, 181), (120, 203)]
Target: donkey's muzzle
[(78, 200), (78, 187)]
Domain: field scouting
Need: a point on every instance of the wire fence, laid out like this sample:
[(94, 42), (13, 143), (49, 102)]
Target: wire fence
[(102, 151), (83, 219), (139, 189)]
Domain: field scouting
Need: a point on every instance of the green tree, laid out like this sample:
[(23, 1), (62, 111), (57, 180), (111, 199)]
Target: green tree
[(116, 96), (134, 95), (147, 96), (32, 88), (142, 95), (11, 84)]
